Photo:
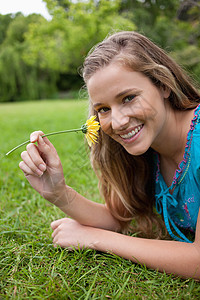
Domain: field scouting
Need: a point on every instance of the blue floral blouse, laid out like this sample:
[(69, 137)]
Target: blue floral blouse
[(180, 210)]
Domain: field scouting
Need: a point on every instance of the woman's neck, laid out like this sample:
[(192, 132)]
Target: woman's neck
[(172, 144)]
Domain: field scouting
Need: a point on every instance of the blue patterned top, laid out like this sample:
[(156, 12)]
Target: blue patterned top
[(180, 210)]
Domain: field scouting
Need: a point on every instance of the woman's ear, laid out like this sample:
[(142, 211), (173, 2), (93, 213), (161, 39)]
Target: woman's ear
[(165, 92)]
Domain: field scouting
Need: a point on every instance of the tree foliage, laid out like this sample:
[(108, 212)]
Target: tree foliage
[(38, 57), (19, 80), (173, 25), (76, 26)]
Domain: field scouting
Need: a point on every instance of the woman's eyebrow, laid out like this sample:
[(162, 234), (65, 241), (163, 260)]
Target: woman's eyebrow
[(97, 104), (126, 92)]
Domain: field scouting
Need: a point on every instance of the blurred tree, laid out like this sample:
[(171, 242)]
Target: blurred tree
[(188, 9), (20, 81), (4, 23), (145, 12), (37, 56), (62, 44), (173, 25), (188, 54)]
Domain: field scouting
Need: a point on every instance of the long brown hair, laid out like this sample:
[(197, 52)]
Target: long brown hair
[(126, 181)]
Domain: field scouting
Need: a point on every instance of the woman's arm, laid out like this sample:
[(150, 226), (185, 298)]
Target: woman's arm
[(42, 168), (179, 258), (87, 212)]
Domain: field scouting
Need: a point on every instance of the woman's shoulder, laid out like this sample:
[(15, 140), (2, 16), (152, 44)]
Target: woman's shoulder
[(194, 140), (195, 123)]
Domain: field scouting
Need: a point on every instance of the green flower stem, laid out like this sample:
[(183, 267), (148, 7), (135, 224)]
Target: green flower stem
[(48, 134)]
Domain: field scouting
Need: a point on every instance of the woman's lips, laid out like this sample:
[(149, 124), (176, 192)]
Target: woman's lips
[(129, 135)]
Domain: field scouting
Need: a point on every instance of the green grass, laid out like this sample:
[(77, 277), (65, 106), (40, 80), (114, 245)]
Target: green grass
[(30, 267)]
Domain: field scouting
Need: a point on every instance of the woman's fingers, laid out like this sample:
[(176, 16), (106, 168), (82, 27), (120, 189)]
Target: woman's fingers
[(56, 223), (34, 137), (33, 160), (34, 154), (46, 149), (38, 157), (60, 232), (27, 171)]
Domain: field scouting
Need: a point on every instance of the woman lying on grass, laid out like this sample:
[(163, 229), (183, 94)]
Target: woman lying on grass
[(147, 158)]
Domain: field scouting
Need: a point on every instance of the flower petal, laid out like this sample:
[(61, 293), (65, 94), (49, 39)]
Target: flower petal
[(92, 130)]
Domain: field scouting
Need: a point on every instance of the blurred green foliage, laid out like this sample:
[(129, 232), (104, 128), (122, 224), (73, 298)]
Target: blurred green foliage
[(40, 57)]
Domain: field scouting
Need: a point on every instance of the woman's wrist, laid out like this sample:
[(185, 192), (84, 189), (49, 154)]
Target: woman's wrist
[(65, 198), (99, 239)]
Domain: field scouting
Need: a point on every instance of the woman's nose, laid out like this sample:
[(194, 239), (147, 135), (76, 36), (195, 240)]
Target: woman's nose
[(119, 120)]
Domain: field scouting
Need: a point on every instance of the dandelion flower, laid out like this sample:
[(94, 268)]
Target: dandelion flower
[(90, 129)]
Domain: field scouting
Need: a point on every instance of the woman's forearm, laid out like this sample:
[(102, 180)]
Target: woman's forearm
[(87, 212), (182, 259), (179, 258)]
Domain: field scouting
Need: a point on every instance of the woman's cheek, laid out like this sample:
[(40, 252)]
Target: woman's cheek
[(105, 125)]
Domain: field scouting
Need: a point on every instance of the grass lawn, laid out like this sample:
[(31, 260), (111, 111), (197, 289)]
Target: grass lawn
[(30, 267)]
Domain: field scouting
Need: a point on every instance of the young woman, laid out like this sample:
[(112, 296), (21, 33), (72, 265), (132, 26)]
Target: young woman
[(147, 158)]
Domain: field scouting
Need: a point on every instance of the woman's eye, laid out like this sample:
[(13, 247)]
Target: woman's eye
[(102, 109), (129, 98)]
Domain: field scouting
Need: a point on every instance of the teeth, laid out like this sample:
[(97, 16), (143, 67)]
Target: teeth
[(131, 133)]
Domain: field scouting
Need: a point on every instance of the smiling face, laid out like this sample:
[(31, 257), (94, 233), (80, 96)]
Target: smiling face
[(131, 109)]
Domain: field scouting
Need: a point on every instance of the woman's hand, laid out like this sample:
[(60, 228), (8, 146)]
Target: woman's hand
[(68, 233), (42, 168)]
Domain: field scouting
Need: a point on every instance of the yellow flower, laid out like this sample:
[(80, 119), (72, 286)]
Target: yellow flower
[(90, 128)]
